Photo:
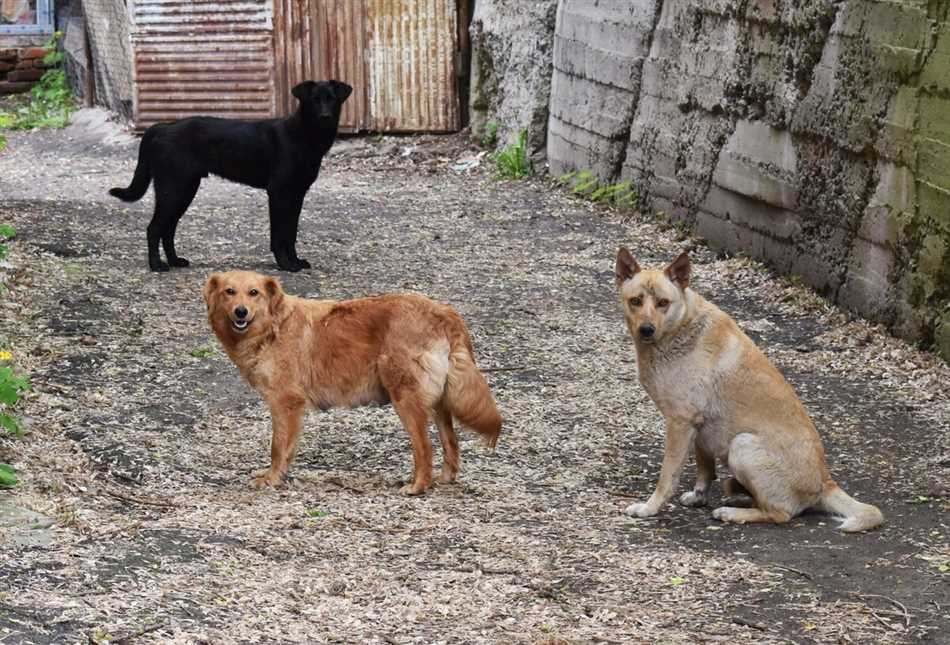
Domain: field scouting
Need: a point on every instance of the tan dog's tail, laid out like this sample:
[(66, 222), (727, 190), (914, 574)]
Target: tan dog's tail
[(857, 515), (467, 395)]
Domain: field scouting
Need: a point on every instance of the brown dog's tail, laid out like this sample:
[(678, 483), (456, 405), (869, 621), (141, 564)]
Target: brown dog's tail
[(467, 395), (857, 515), (143, 173)]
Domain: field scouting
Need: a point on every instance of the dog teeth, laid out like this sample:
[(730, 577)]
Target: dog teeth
[(240, 324)]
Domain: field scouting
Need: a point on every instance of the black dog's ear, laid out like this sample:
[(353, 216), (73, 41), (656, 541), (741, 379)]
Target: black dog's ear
[(626, 267), (302, 91), (341, 90)]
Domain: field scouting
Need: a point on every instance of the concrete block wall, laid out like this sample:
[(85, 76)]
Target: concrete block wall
[(813, 135)]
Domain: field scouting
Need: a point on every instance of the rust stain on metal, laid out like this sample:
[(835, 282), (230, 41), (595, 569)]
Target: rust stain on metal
[(202, 57)]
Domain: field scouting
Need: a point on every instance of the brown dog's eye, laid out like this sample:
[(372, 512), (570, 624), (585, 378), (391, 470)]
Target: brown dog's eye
[(635, 301), (253, 292), (230, 291), (662, 303)]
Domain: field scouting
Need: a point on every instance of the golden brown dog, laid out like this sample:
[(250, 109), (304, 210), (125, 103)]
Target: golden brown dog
[(721, 395), (301, 354)]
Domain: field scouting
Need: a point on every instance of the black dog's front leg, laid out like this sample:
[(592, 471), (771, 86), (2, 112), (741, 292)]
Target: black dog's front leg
[(284, 214)]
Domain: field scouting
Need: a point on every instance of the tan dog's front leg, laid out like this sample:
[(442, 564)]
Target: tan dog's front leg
[(679, 437), (705, 473), (287, 420)]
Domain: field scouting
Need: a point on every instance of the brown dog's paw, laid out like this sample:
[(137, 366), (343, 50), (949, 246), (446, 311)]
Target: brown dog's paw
[(446, 477), (266, 477), (412, 489)]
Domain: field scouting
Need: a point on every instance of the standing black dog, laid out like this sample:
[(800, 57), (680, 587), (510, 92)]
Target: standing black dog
[(281, 155)]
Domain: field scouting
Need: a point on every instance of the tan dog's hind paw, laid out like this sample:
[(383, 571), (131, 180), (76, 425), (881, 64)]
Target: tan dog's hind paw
[(693, 498), (639, 509), (266, 477)]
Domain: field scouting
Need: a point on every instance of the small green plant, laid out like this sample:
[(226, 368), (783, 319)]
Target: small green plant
[(202, 352), (8, 478), (586, 184), (316, 513), (512, 162), (12, 387), (6, 233), (50, 103), (490, 138)]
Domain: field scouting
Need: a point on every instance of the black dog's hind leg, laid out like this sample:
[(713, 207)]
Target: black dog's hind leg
[(173, 196), (284, 214), (183, 201)]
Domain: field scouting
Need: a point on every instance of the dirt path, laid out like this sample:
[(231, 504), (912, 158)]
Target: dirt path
[(143, 435)]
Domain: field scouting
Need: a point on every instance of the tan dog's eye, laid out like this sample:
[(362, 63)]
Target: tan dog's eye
[(253, 292), (662, 303), (636, 301), (230, 291)]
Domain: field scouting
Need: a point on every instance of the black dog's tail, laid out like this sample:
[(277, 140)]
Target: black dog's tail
[(142, 177)]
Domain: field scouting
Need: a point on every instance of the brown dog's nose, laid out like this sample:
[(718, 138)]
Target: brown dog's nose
[(646, 330), (241, 311)]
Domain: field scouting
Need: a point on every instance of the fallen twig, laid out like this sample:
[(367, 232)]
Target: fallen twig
[(138, 500), (803, 574), (745, 622), (902, 613)]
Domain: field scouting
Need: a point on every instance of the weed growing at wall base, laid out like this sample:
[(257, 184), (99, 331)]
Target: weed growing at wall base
[(586, 184), (12, 386), (512, 162)]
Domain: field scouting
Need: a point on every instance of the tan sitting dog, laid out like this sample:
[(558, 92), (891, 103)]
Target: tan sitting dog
[(722, 396), (301, 354)]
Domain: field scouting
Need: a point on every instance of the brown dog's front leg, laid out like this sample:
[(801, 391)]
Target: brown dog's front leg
[(705, 473), (287, 420), (679, 437)]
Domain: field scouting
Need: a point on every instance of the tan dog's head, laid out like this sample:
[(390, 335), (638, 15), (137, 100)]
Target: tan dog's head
[(654, 302), (243, 303)]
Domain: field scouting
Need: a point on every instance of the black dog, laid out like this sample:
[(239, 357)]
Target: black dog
[(281, 155)]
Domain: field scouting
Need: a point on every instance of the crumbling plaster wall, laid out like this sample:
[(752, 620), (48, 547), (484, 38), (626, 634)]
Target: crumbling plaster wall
[(511, 69), (812, 134)]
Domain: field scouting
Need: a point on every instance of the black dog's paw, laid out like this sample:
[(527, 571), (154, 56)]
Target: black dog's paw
[(289, 266), (180, 262), (158, 267), (303, 264)]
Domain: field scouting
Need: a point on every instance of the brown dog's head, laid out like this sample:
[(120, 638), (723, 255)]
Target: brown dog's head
[(243, 303), (654, 302)]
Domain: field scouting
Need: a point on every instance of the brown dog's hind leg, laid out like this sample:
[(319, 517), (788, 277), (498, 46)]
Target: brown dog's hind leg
[(415, 419), (450, 444), (287, 420)]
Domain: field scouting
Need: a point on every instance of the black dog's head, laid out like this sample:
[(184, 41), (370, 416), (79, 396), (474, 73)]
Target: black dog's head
[(322, 100)]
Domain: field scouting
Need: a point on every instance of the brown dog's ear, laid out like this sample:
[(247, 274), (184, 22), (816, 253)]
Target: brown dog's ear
[(275, 294), (211, 285), (341, 90), (302, 91), (679, 269), (626, 266)]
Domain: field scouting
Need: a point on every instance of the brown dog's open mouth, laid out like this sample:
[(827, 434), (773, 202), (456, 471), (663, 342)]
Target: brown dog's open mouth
[(240, 326)]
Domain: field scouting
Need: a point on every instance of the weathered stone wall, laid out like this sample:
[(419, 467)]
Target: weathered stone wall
[(812, 134), (511, 69)]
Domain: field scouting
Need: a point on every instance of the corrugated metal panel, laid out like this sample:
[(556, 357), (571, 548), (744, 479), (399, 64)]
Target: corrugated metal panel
[(411, 50), (399, 56), (202, 57)]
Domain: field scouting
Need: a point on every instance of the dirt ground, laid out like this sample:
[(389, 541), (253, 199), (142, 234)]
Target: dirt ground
[(142, 434)]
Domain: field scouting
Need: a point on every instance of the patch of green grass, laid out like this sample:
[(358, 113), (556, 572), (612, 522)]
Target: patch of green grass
[(8, 478), (622, 195), (202, 352), (316, 513), (512, 162)]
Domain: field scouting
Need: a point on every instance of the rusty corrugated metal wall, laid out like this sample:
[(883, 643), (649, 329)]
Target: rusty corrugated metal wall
[(194, 57), (399, 56), (411, 53), (241, 58)]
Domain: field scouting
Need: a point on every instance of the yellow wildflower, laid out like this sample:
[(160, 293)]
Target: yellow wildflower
[(5, 356)]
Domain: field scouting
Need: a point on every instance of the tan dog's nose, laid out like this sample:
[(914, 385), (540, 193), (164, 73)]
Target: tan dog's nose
[(241, 312)]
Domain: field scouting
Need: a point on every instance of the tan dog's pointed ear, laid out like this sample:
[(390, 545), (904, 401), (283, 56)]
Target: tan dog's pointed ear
[(626, 266), (679, 270), (211, 285), (275, 294)]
